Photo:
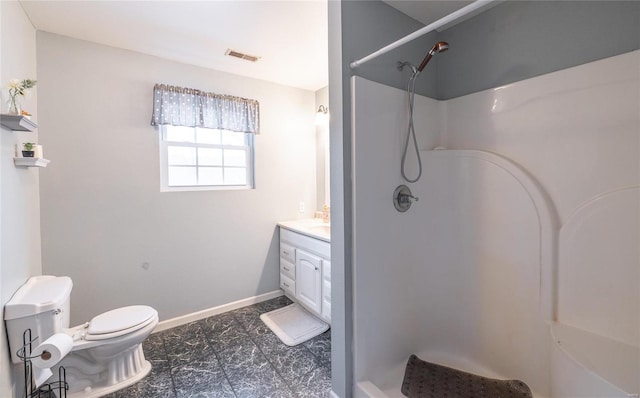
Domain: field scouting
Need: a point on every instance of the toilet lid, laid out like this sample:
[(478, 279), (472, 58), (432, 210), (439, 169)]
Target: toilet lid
[(120, 319)]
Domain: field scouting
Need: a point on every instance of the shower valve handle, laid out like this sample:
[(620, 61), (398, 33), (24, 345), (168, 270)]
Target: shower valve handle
[(406, 198), (403, 198)]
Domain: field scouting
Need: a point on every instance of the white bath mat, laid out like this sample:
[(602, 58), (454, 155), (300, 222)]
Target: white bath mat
[(293, 324)]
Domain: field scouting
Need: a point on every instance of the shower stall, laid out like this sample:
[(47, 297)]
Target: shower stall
[(520, 259)]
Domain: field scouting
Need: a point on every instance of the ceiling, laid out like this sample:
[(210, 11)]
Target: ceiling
[(427, 11), (290, 37)]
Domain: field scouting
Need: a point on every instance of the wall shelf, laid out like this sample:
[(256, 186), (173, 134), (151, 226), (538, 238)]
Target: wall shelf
[(31, 162), (18, 122)]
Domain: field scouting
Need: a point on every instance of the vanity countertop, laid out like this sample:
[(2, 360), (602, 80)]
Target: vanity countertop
[(313, 227)]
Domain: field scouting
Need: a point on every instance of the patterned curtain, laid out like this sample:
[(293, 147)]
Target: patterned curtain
[(180, 106)]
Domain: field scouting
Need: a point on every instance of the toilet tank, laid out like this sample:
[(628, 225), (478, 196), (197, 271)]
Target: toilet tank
[(42, 305)]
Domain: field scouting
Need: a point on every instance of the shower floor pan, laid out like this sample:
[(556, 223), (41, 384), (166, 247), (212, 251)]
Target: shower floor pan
[(392, 383)]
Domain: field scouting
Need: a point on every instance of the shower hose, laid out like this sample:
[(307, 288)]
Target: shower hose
[(411, 133)]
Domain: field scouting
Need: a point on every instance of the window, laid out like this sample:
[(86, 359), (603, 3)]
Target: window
[(206, 139), (196, 158)]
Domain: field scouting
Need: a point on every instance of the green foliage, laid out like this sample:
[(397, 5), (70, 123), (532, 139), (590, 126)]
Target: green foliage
[(20, 87)]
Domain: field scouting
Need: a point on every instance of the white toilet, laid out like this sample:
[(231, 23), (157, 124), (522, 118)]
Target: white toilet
[(107, 351)]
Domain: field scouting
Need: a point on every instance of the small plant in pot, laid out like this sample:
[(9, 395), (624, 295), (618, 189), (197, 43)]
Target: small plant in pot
[(28, 150)]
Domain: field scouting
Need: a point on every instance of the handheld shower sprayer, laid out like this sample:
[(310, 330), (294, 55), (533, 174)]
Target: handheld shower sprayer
[(439, 47)]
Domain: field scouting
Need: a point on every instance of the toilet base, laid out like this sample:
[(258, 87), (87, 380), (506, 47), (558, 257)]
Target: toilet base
[(91, 379), (102, 391)]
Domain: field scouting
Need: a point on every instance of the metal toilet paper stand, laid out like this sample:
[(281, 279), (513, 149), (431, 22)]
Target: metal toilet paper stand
[(48, 390)]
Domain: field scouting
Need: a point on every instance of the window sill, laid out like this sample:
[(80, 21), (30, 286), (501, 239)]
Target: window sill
[(206, 188)]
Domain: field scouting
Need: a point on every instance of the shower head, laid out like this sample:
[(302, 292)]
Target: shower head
[(437, 48)]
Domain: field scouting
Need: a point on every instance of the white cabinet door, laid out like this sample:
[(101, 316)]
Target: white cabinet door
[(309, 280)]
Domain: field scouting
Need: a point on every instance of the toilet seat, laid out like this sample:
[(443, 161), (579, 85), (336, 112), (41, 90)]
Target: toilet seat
[(119, 322)]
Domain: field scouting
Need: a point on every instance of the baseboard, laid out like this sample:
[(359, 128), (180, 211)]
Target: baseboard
[(333, 394), (196, 316)]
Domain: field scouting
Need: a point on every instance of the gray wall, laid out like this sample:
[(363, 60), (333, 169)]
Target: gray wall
[(370, 25), (103, 214), (517, 40), (19, 192), (512, 41), (341, 360)]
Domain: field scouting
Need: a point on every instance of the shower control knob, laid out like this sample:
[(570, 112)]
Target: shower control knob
[(403, 198)]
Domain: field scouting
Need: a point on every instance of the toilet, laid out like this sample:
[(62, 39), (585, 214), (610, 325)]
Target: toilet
[(107, 351)]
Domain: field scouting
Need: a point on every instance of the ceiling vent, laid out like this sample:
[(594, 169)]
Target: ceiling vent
[(238, 54)]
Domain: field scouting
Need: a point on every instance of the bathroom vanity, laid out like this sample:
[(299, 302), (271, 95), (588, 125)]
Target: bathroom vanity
[(305, 265)]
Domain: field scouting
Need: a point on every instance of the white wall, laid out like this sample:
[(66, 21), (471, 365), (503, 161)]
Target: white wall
[(103, 215), (386, 243), (577, 131), (19, 197), (322, 152)]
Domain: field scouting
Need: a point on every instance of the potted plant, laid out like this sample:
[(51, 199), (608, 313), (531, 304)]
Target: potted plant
[(28, 150)]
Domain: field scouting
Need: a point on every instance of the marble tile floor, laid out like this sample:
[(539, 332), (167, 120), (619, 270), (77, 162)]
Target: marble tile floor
[(233, 355)]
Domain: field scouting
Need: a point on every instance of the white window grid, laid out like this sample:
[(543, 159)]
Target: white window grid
[(164, 163)]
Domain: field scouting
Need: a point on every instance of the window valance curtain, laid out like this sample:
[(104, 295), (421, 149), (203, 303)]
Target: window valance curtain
[(180, 106)]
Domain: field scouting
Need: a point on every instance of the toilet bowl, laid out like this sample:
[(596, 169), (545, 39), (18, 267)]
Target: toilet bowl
[(107, 351), (106, 355)]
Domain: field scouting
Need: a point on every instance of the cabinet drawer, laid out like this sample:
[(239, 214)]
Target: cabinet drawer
[(306, 243), (287, 284), (288, 252), (287, 269)]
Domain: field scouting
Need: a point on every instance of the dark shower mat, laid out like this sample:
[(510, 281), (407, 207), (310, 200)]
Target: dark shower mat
[(428, 380)]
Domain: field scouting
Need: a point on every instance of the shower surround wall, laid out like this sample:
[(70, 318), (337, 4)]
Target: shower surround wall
[(577, 133), (512, 41)]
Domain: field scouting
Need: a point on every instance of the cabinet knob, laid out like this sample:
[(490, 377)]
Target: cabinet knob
[(316, 268)]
